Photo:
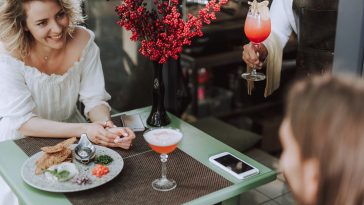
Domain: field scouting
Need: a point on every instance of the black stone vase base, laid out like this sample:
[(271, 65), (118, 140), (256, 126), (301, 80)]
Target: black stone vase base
[(158, 116), (157, 119)]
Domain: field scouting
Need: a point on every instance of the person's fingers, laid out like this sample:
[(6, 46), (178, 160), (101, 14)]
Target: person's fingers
[(123, 142), (246, 55), (130, 132), (256, 61), (252, 55), (116, 137), (126, 140), (248, 60), (120, 131), (100, 139), (103, 143), (107, 137), (125, 146), (245, 47), (112, 145), (109, 124), (94, 140), (107, 141), (108, 144), (118, 140), (124, 132)]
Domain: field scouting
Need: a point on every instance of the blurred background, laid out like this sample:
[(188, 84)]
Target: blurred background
[(204, 83)]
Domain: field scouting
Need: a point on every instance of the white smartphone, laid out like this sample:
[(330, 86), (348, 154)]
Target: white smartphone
[(134, 122), (233, 165)]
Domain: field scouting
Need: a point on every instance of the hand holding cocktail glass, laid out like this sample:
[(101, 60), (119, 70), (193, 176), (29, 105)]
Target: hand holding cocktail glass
[(163, 141), (257, 28)]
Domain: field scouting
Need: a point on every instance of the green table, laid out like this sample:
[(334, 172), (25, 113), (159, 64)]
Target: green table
[(199, 148)]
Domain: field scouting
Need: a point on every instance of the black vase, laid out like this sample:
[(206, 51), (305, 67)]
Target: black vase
[(158, 116)]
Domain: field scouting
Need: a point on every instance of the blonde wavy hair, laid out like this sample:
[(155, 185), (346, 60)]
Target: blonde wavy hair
[(13, 23)]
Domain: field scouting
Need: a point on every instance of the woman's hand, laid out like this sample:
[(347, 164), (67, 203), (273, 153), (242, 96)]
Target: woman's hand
[(110, 136), (126, 136), (106, 124), (254, 55), (97, 133)]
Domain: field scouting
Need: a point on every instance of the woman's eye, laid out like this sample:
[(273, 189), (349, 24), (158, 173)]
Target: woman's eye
[(41, 24), (61, 15)]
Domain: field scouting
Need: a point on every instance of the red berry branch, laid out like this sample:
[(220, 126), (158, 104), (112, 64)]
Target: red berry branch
[(159, 26)]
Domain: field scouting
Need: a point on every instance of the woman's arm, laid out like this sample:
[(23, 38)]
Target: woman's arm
[(101, 114), (46, 128), (95, 131)]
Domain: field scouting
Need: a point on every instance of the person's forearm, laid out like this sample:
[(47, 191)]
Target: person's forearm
[(99, 113), (46, 128)]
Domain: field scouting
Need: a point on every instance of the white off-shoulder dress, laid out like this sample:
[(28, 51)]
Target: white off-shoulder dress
[(26, 92)]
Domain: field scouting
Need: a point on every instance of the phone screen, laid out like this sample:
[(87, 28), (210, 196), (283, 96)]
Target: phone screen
[(233, 164)]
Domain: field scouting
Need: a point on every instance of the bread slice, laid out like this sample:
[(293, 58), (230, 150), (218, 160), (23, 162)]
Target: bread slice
[(58, 147), (54, 155)]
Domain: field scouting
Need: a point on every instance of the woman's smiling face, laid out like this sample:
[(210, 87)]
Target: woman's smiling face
[(47, 22)]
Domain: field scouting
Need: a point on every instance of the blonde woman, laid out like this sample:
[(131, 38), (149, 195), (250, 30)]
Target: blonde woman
[(323, 141), (47, 65)]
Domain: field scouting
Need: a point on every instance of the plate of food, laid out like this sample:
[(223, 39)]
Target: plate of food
[(55, 168)]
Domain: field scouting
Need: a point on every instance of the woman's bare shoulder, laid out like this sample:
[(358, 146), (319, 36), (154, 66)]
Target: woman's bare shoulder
[(81, 35), (79, 40)]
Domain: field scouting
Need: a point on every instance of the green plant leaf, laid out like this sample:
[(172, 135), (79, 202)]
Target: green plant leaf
[(62, 175)]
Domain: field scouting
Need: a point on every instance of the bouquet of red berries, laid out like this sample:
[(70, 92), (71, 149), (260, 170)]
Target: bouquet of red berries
[(159, 26)]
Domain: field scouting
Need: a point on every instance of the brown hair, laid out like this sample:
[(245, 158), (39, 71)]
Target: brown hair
[(326, 114), (12, 23)]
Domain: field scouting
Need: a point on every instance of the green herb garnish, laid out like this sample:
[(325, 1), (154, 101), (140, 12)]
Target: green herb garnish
[(61, 176), (103, 159)]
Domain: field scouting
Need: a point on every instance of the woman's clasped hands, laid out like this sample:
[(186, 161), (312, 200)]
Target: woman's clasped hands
[(107, 134)]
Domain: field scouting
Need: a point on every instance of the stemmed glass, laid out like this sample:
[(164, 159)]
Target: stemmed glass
[(257, 28), (163, 141)]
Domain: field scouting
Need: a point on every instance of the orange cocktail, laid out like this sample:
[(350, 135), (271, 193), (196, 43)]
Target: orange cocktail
[(163, 150), (163, 141)]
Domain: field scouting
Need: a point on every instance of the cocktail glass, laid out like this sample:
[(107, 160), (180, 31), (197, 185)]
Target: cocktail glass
[(257, 28), (163, 141)]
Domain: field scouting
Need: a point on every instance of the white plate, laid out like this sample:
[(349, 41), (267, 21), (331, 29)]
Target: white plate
[(42, 183)]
